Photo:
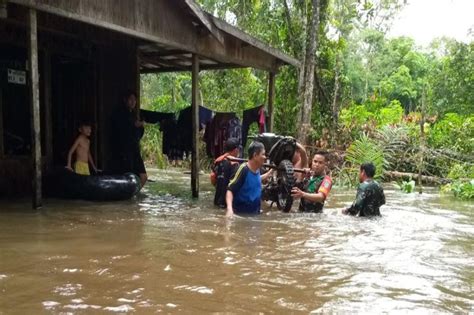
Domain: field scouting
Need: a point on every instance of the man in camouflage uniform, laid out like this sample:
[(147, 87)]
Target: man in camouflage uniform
[(370, 194), (317, 189)]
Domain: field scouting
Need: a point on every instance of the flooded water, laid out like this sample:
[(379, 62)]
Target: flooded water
[(164, 252)]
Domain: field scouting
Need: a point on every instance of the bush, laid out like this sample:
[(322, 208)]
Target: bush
[(355, 115), (151, 147), (461, 171), (361, 151), (454, 131), (390, 115), (460, 189)]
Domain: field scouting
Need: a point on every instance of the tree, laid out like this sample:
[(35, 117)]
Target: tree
[(307, 77), (453, 80)]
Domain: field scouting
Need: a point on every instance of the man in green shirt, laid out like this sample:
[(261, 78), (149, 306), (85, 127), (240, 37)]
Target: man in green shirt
[(317, 188), (370, 195)]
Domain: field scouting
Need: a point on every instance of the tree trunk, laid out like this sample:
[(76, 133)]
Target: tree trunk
[(304, 119), (422, 142), (335, 99), (391, 175)]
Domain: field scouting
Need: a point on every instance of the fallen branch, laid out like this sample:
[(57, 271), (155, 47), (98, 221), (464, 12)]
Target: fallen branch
[(424, 178)]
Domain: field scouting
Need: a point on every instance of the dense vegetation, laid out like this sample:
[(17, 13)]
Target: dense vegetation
[(409, 108)]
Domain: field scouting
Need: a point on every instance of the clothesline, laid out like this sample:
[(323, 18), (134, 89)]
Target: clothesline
[(219, 126)]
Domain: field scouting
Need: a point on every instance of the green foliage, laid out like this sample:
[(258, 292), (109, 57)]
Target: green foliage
[(233, 89), (380, 80), (460, 171), (168, 92), (453, 79), (454, 131), (460, 189), (400, 86), (390, 115), (355, 115), (151, 147), (361, 151), (406, 186)]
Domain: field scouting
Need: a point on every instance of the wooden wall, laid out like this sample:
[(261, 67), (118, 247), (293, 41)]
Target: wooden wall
[(78, 80)]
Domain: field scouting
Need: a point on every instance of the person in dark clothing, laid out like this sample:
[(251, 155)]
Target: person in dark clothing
[(223, 169), (128, 129), (250, 116), (370, 196), (317, 188)]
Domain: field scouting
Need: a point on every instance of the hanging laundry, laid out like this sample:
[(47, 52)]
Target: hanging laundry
[(185, 126), (222, 127), (253, 115), (153, 117)]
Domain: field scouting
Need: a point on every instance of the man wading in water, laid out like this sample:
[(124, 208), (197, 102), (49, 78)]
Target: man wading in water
[(370, 194), (318, 188), (245, 188), (223, 169)]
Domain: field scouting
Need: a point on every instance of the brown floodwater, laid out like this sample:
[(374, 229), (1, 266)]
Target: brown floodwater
[(164, 252)]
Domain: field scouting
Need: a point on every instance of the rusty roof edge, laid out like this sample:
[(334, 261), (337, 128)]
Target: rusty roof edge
[(236, 32), (205, 20)]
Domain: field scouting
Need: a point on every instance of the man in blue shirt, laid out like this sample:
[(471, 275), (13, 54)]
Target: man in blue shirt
[(245, 189)]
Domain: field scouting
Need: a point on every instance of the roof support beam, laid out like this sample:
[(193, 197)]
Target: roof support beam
[(33, 77), (271, 100), (195, 123), (201, 67)]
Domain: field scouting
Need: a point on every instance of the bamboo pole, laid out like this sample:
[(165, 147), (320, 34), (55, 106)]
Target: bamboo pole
[(35, 109), (195, 126)]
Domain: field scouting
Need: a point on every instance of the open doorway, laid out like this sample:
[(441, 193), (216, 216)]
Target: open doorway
[(74, 99)]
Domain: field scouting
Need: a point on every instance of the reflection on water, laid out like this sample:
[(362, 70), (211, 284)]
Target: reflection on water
[(166, 252)]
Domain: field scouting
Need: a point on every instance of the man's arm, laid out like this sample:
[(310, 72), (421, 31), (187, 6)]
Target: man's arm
[(234, 186), (265, 176), (319, 196), (70, 153), (357, 206), (229, 198), (313, 197), (303, 163)]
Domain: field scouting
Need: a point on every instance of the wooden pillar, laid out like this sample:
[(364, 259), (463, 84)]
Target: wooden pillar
[(48, 107), (271, 100), (138, 81), (2, 149), (195, 123), (35, 109)]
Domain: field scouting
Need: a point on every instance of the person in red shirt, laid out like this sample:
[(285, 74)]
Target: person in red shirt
[(317, 189)]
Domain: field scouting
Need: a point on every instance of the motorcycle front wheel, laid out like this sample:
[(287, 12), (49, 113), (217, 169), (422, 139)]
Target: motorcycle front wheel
[(286, 181)]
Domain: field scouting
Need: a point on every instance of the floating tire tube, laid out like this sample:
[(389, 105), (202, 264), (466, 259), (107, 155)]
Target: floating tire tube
[(65, 184)]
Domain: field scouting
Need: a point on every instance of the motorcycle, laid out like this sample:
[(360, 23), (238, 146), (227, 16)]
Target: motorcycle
[(280, 151)]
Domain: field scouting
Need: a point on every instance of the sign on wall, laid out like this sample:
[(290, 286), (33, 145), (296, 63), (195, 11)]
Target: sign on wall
[(16, 76)]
